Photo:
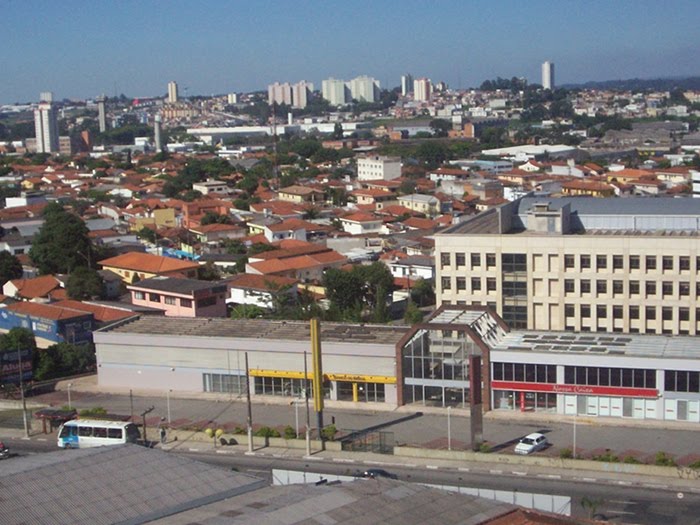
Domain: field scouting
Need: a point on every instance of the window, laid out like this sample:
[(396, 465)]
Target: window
[(139, 295), (634, 262), (99, 432), (585, 311), (186, 303), (651, 262), (170, 300), (585, 286), (601, 262), (476, 284), (601, 311), (601, 287), (667, 262), (684, 289), (514, 262), (650, 313), (569, 310), (617, 312), (85, 431), (476, 260), (446, 283), (667, 313), (444, 259), (491, 284), (618, 287), (490, 260), (681, 381), (569, 261), (634, 312), (154, 297), (667, 288), (650, 288), (684, 263), (684, 314), (461, 283), (585, 261), (618, 262), (514, 289), (634, 287), (569, 286), (603, 376), (234, 384), (207, 301), (460, 260), (114, 433), (515, 316)]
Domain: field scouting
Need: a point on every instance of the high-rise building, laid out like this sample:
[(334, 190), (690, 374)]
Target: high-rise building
[(422, 89), (335, 91), (172, 92), (46, 127), (364, 88), (300, 94), (279, 93), (406, 84), (157, 134), (101, 115), (46, 96), (548, 75), (232, 98)]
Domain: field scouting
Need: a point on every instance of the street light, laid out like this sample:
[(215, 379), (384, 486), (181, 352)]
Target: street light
[(70, 406), (449, 429), (167, 396)]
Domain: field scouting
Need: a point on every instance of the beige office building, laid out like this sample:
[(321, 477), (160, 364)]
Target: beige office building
[(600, 265)]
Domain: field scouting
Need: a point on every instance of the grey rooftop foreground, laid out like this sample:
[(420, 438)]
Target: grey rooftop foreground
[(260, 329), (176, 285), (126, 484)]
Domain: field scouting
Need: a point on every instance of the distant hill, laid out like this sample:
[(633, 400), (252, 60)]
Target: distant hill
[(642, 84)]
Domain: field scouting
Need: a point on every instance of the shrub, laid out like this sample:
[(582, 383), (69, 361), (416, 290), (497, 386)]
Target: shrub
[(289, 432), (95, 412), (485, 448), (566, 453), (695, 465), (240, 430), (608, 457), (267, 432), (328, 433), (631, 460), (664, 460)]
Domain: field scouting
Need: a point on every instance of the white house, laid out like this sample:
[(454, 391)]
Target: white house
[(361, 224), (259, 290)]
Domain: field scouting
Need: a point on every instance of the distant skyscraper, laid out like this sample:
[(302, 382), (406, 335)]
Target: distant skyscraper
[(157, 134), (46, 96), (422, 89), (232, 98), (300, 93), (172, 92), (548, 75), (364, 88), (406, 84), (101, 116), (335, 91), (279, 93), (46, 127)]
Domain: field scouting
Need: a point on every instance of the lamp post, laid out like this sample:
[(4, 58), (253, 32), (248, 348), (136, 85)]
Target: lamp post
[(167, 397), (575, 417), (70, 406), (449, 429), (21, 390)]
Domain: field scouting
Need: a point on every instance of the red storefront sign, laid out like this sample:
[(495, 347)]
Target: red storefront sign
[(614, 391)]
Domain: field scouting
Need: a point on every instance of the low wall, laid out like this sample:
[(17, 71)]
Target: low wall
[(555, 463), (242, 439)]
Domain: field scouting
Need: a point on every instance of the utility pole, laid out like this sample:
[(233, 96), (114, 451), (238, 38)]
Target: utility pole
[(250, 406), (318, 375), (21, 391), (143, 415), (308, 412)]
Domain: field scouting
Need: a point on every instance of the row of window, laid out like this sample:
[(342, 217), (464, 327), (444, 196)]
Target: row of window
[(224, 383), (528, 373), (602, 376), (633, 312), (173, 301), (634, 262), (681, 381), (617, 287), (475, 283)]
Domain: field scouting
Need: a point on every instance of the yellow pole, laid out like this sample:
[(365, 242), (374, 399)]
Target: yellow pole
[(317, 371), (355, 393)]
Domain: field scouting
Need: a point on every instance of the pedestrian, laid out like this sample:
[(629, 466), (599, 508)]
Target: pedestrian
[(162, 435)]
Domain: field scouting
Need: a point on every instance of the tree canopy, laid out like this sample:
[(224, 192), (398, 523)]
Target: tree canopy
[(84, 283), (10, 267)]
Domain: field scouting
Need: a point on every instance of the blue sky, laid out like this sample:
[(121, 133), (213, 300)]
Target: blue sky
[(79, 49)]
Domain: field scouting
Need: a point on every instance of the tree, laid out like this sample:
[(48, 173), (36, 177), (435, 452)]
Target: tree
[(422, 293), (84, 283), (440, 127), (10, 267), (337, 131), (432, 153), (62, 243), (209, 272), (412, 315), (343, 288), (246, 311), (147, 234)]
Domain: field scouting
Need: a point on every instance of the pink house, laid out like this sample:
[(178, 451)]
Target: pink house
[(181, 297)]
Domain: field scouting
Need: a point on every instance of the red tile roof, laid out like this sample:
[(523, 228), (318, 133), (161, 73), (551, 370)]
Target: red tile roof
[(145, 262), (36, 287), (45, 311), (260, 282), (102, 314)]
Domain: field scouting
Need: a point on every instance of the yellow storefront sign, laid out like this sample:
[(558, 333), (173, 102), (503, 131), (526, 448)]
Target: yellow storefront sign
[(354, 378)]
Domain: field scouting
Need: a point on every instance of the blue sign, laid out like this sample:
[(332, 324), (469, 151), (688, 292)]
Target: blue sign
[(10, 365)]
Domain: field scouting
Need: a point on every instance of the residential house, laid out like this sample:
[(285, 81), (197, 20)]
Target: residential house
[(135, 266), (217, 232), (211, 187), (426, 204), (588, 188), (181, 297), (50, 324), (378, 198), (377, 167), (301, 194), (38, 289), (361, 224), (259, 290), (412, 267)]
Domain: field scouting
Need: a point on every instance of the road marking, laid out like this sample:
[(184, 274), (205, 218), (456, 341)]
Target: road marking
[(623, 502), (464, 469), (615, 511), (225, 452), (592, 480), (496, 471), (41, 439), (313, 458), (432, 467), (652, 486), (26, 439), (194, 450), (624, 482), (519, 473), (369, 462), (549, 476), (343, 460), (251, 453)]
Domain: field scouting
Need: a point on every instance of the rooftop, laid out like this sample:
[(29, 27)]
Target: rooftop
[(174, 285), (145, 262)]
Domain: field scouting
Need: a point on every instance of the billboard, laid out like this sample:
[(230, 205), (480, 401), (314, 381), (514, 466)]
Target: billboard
[(10, 365)]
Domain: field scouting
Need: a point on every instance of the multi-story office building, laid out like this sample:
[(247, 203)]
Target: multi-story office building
[(172, 92), (279, 93), (377, 167), (548, 75), (599, 265), (422, 89), (46, 126), (406, 84), (335, 91), (364, 88)]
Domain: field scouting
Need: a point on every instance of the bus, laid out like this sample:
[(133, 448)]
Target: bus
[(86, 433)]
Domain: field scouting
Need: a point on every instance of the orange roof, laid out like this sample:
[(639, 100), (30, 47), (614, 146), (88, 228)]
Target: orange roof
[(586, 185), (260, 282), (146, 262), (36, 287), (360, 217), (45, 311), (629, 173), (421, 224), (102, 314)]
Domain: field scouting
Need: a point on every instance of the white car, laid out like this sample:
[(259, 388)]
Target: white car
[(531, 443)]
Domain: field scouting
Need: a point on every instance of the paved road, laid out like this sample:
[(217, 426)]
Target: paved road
[(427, 430)]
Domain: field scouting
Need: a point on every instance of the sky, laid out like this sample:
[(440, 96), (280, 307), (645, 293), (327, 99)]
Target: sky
[(80, 49)]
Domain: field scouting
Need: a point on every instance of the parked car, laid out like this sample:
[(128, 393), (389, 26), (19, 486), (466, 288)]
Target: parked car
[(531, 443), (378, 473)]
